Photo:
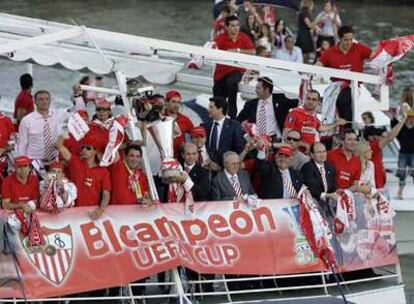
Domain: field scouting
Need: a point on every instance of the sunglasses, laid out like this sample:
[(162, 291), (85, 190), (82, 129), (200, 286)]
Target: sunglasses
[(292, 139), (87, 147), (102, 109)]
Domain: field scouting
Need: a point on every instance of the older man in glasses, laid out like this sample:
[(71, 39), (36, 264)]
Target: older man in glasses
[(304, 120), (93, 182)]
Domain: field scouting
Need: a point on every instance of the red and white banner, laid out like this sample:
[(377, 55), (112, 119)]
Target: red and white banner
[(133, 242)]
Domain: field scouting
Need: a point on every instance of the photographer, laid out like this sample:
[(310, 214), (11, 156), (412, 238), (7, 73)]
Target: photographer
[(57, 192)]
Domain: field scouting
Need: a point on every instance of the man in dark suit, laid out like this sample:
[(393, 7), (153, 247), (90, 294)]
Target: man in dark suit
[(278, 180), (196, 173), (319, 177), (268, 111), (223, 134), (200, 188), (231, 183)]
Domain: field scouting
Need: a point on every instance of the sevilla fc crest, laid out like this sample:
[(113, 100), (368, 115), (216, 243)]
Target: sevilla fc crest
[(53, 260)]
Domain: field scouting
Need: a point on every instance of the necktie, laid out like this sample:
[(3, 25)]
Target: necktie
[(214, 135), (323, 175), (236, 186), (47, 135), (187, 169), (261, 119), (288, 186), (200, 157)]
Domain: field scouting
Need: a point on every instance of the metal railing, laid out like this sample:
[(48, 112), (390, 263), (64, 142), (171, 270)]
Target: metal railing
[(184, 290)]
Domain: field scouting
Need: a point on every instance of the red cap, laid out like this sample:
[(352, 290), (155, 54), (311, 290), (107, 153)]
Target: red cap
[(103, 103), (83, 113), (56, 165), (90, 140), (198, 132), (21, 161), (285, 150), (171, 94)]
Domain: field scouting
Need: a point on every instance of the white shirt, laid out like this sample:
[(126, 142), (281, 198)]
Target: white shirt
[(285, 190), (327, 29), (204, 156), (272, 127), (231, 177), (368, 176), (219, 128), (320, 168), (31, 138), (294, 56)]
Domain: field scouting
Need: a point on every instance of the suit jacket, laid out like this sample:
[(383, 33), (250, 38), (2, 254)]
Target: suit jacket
[(281, 107), (222, 189), (231, 139), (313, 180), (201, 180), (272, 181)]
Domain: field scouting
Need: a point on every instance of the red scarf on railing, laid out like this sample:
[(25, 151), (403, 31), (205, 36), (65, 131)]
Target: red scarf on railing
[(315, 228), (345, 211), (30, 228)]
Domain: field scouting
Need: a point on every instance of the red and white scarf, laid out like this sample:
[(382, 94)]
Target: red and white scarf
[(345, 211), (30, 228), (116, 137)]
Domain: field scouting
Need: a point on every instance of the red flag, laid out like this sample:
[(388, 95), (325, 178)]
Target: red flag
[(315, 229), (390, 51)]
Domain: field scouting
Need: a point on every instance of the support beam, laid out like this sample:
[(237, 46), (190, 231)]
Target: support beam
[(41, 40)]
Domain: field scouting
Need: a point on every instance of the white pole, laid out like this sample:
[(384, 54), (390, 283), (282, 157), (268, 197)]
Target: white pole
[(29, 68)]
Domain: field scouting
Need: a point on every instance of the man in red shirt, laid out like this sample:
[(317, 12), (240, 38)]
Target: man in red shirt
[(304, 120), (129, 182), (6, 130), (24, 103), (20, 187), (93, 182), (346, 55), (227, 78), (183, 124), (347, 165), (99, 126)]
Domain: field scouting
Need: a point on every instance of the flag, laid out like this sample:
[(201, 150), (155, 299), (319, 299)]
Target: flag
[(315, 228), (388, 52)]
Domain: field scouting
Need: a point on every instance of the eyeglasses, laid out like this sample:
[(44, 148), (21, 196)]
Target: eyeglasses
[(102, 109), (87, 147), (292, 139)]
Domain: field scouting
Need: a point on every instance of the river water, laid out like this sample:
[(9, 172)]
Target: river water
[(190, 21)]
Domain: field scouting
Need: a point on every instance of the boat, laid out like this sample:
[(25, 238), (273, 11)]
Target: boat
[(163, 63)]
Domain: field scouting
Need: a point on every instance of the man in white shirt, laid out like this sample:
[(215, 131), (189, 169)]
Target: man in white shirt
[(39, 130), (290, 52)]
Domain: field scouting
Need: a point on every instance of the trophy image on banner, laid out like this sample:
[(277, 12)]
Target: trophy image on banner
[(162, 133)]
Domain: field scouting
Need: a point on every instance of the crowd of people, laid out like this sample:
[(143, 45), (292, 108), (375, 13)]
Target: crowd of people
[(270, 148)]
